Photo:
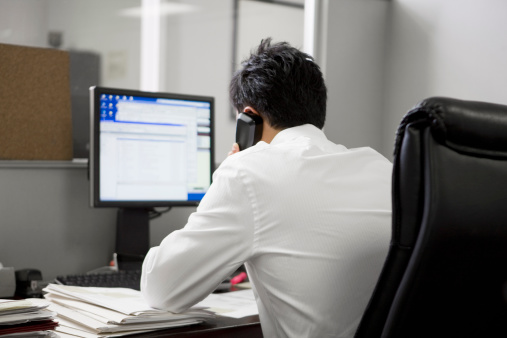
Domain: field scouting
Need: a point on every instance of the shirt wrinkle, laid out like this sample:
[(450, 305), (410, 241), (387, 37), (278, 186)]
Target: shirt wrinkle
[(253, 206)]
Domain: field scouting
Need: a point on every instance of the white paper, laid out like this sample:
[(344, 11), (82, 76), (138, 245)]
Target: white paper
[(8, 306), (127, 301), (19, 318), (68, 328), (108, 316), (91, 325), (236, 304)]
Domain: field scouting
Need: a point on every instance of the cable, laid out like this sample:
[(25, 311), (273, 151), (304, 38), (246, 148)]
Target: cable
[(153, 213)]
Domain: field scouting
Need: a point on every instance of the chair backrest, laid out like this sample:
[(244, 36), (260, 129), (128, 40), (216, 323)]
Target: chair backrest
[(446, 271)]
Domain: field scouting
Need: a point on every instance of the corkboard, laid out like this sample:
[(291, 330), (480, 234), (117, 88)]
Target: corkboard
[(35, 107)]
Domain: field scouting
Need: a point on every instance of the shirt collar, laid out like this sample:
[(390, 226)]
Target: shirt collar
[(305, 130)]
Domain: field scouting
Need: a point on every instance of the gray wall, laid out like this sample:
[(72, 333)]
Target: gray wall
[(354, 68), (47, 223), (455, 48), (383, 57)]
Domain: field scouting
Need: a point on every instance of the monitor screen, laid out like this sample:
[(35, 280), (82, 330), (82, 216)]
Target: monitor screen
[(149, 149)]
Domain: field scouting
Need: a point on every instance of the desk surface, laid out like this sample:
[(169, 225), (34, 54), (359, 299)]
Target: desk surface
[(219, 327)]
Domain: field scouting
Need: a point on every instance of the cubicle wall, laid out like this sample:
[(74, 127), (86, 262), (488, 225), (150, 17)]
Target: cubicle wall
[(47, 224)]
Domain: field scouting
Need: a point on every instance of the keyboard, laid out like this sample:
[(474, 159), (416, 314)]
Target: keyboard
[(122, 279)]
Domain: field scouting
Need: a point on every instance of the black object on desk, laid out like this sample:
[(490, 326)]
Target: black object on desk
[(28, 283)]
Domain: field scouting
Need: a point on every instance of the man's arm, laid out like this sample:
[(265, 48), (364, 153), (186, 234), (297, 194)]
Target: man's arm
[(190, 263)]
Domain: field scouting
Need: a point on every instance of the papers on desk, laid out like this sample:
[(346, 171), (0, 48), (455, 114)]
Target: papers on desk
[(235, 304), (111, 312), (26, 318)]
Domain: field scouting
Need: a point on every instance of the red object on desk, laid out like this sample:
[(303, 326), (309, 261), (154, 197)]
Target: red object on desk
[(238, 278)]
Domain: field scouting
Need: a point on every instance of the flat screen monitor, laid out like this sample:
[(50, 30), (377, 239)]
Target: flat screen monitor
[(148, 150)]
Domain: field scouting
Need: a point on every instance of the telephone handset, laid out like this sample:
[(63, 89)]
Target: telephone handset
[(248, 130)]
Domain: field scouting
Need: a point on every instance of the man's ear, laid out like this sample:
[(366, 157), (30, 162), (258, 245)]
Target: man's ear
[(250, 110)]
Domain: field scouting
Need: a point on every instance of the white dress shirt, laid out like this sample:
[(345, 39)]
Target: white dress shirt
[(310, 219)]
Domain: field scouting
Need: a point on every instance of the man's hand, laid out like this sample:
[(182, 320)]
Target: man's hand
[(234, 150)]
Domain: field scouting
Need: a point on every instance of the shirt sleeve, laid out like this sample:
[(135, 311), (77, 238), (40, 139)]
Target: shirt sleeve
[(190, 263)]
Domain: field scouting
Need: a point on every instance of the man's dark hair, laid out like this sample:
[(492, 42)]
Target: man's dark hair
[(283, 84)]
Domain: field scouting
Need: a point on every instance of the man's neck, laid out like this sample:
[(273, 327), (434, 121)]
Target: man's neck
[(268, 132)]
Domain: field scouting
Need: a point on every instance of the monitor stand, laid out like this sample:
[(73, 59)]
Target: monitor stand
[(132, 237)]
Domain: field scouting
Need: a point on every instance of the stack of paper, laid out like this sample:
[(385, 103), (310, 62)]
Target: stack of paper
[(111, 312), (25, 318), (235, 304)]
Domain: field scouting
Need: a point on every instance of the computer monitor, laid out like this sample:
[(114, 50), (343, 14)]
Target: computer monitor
[(148, 150)]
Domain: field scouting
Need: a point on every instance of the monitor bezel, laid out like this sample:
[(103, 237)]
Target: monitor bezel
[(94, 159)]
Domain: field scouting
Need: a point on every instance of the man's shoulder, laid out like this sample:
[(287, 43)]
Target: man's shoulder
[(249, 154), (369, 152), (243, 159)]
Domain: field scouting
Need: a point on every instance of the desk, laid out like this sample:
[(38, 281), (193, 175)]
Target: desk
[(220, 327)]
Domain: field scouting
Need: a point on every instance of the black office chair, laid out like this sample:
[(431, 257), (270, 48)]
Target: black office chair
[(446, 271)]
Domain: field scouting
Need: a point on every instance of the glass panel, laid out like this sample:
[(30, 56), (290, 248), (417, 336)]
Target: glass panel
[(258, 20)]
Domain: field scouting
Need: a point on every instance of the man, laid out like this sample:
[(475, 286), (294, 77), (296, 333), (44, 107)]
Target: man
[(310, 219)]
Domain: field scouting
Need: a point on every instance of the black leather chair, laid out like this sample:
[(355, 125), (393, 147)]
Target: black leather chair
[(446, 271)]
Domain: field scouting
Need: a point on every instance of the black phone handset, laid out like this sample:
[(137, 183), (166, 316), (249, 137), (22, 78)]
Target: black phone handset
[(248, 130)]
